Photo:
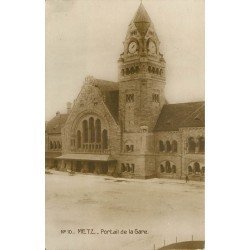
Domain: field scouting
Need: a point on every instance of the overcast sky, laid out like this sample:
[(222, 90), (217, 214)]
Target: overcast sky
[(85, 37)]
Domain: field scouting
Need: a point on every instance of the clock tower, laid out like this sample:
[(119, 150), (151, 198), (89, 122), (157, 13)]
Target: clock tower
[(141, 75)]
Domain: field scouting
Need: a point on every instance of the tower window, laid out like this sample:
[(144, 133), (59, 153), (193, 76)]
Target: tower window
[(155, 98), (130, 98)]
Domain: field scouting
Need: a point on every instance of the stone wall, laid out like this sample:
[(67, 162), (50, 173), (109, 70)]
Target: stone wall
[(90, 103)]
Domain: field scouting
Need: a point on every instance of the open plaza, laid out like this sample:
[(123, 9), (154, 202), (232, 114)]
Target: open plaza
[(91, 212)]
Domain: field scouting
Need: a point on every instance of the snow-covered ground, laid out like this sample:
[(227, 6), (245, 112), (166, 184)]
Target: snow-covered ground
[(165, 208)]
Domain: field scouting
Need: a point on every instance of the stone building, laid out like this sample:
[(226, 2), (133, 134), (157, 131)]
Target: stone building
[(127, 128)]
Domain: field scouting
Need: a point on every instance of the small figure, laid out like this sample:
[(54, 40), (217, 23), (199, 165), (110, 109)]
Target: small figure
[(187, 179)]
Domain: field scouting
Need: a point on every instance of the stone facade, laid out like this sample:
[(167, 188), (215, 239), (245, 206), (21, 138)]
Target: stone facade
[(126, 128)]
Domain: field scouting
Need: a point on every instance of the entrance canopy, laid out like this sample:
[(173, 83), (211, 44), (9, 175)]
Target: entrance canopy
[(86, 157)]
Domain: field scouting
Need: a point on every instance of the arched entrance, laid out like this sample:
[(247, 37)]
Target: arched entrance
[(197, 168)]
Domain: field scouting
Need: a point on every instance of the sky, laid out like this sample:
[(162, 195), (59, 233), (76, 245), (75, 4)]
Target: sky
[(85, 37)]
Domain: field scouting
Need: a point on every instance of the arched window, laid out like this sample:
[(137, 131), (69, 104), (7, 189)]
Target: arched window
[(201, 144), (78, 135), (168, 146), (123, 167), (136, 69), (104, 139), (98, 130), (168, 167), (55, 146), (149, 69), (51, 145), (123, 72), (190, 170), (197, 167), (157, 71), (132, 70), (91, 129), (58, 144), (161, 146), (153, 70), (162, 168), (85, 131), (160, 71), (174, 146), (127, 71), (174, 169), (191, 145)]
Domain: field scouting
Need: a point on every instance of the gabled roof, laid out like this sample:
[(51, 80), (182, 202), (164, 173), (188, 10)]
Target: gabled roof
[(104, 85), (175, 116), (111, 92), (55, 124), (142, 20)]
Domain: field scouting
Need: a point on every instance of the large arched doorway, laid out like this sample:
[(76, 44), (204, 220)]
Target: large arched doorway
[(197, 168), (190, 169), (168, 167)]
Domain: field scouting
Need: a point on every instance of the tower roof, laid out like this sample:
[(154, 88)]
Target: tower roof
[(142, 20)]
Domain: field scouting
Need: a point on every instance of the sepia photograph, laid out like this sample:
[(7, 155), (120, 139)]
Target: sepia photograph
[(124, 124)]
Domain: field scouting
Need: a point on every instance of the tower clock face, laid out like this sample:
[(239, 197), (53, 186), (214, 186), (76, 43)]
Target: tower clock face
[(132, 47), (152, 47)]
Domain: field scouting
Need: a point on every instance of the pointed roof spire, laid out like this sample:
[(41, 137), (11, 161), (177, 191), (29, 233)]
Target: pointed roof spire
[(142, 20)]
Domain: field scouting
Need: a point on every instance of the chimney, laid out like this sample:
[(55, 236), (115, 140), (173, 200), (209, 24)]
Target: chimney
[(69, 104)]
